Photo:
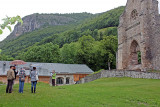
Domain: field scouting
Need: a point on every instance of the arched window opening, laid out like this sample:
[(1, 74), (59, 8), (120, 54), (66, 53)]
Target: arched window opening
[(59, 80), (67, 80), (135, 57), (139, 57)]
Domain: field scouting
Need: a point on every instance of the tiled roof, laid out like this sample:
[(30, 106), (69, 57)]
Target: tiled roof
[(44, 69)]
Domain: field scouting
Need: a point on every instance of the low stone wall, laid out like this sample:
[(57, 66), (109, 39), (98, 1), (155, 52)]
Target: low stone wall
[(118, 73)]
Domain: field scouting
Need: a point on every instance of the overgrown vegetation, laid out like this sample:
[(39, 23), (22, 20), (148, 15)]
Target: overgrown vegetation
[(105, 92)]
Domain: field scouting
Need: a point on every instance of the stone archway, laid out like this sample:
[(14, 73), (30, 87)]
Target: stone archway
[(135, 56)]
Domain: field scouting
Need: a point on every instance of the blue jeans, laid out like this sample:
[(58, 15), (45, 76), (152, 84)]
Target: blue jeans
[(21, 85), (33, 83)]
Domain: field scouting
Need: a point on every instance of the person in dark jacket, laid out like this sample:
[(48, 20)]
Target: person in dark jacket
[(22, 76), (33, 75), (10, 78), (15, 72)]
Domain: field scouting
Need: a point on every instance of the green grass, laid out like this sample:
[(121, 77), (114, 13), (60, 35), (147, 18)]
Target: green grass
[(105, 92), (97, 71)]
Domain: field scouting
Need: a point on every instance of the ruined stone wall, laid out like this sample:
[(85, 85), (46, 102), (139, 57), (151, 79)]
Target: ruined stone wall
[(118, 73), (140, 24)]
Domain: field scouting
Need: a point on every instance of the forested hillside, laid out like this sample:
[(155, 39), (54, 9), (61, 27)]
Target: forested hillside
[(91, 40)]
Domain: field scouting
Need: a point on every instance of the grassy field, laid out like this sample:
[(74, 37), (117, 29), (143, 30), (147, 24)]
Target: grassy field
[(105, 92)]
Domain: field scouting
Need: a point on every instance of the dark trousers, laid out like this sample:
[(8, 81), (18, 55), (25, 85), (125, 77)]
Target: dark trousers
[(33, 84), (9, 86), (53, 82)]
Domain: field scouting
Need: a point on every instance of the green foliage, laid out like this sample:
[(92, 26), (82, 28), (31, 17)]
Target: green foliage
[(103, 20), (85, 52), (9, 21), (1, 31), (105, 92), (139, 57), (97, 71), (68, 53), (6, 58), (44, 53), (96, 54)]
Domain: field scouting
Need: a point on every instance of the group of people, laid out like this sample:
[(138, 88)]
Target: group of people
[(11, 77)]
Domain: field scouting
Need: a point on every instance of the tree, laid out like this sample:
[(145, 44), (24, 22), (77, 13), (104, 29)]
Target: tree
[(85, 52), (109, 46), (8, 22), (68, 53), (43, 53)]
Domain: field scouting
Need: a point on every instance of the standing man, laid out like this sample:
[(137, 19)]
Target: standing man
[(53, 78), (10, 78)]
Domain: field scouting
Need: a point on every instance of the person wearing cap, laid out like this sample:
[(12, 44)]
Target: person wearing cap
[(10, 78), (53, 78)]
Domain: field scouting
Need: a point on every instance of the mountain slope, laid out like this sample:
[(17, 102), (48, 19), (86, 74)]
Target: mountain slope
[(68, 31), (88, 27)]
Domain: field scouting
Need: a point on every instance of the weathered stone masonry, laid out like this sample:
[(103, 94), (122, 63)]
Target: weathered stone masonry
[(139, 31), (119, 73)]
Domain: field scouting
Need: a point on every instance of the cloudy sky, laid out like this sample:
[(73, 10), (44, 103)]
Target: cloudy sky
[(26, 7)]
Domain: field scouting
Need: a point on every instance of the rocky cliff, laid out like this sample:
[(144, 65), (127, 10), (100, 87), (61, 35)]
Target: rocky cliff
[(36, 21)]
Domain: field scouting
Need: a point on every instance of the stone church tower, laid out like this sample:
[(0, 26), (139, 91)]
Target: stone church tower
[(139, 36)]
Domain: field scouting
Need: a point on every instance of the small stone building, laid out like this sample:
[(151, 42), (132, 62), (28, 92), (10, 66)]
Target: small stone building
[(139, 36), (66, 73)]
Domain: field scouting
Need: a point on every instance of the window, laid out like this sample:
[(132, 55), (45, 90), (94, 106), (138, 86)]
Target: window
[(59, 80), (135, 57), (134, 14), (67, 80), (139, 57)]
